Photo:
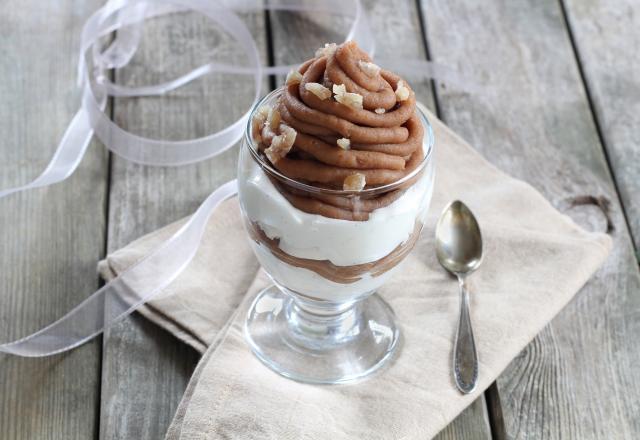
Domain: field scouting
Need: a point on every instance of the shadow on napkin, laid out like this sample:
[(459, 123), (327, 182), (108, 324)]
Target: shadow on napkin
[(536, 260)]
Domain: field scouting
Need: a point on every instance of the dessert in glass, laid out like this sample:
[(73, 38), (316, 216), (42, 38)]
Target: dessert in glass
[(335, 180)]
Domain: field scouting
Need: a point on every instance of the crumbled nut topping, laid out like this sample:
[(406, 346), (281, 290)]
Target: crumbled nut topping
[(369, 69), (293, 77), (264, 110), (354, 182), (380, 111), (344, 143), (272, 155), (289, 135), (353, 100), (281, 144), (402, 91), (328, 50), (339, 89), (319, 90), (273, 119), (257, 122)]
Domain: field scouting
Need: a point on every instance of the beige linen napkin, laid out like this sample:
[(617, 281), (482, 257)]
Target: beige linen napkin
[(536, 260)]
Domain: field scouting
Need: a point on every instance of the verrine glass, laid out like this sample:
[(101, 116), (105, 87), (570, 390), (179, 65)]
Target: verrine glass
[(322, 321)]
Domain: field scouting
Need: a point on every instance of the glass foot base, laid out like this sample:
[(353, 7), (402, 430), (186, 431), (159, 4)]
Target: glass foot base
[(319, 342)]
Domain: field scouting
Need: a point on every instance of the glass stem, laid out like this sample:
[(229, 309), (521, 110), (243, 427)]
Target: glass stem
[(319, 323)]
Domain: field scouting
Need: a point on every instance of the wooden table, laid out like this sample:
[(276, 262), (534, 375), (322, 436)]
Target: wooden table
[(559, 108)]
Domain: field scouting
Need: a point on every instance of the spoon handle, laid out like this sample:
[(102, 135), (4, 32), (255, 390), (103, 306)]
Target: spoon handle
[(465, 357)]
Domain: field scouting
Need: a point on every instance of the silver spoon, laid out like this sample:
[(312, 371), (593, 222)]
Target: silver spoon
[(459, 250)]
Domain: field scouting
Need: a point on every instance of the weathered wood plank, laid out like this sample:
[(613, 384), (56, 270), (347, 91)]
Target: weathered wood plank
[(578, 379), (50, 239), (145, 370), (607, 38), (397, 27)]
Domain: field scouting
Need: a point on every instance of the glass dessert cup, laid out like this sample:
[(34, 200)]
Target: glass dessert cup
[(321, 321)]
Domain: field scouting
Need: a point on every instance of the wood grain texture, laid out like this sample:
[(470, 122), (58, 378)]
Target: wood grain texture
[(145, 370), (51, 238), (296, 37), (578, 378), (606, 36)]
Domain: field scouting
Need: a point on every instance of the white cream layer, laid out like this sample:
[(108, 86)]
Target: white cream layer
[(344, 243)]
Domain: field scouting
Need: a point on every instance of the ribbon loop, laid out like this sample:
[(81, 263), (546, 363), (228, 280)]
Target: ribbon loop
[(146, 279)]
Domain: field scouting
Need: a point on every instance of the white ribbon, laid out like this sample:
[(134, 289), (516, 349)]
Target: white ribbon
[(128, 291), (146, 279)]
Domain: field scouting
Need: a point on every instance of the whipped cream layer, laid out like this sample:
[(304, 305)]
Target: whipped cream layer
[(342, 242)]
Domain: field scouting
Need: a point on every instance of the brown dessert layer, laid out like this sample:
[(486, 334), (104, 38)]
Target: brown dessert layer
[(328, 270), (363, 134)]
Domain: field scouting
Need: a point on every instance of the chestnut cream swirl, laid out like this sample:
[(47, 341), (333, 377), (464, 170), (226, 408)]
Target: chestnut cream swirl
[(342, 123)]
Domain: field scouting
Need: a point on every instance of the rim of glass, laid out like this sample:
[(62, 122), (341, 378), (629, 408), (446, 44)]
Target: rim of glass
[(266, 166)]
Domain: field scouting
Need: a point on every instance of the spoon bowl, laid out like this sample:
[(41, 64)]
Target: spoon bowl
[(458, 239)]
